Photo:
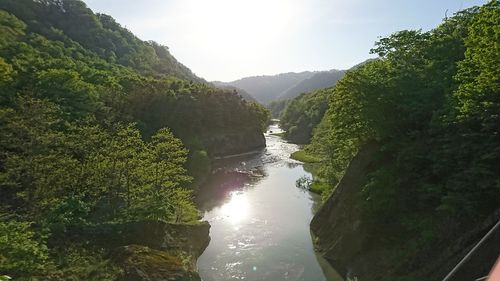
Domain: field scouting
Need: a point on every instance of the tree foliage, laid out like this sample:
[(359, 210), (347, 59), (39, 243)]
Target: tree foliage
[(431, 101), (302, 114), (95, 128)]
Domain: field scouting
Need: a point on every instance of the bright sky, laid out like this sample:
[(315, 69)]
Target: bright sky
[(229, 39)]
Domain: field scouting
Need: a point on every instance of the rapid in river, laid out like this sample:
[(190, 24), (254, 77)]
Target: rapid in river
[(260, 219)]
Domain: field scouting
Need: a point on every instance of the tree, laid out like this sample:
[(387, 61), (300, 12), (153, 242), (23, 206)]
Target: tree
[(22, 254)]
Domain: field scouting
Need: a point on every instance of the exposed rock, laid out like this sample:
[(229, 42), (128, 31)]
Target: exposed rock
[(140, 263), (234, 143), (335, 225), (148, 250), (342, 238)]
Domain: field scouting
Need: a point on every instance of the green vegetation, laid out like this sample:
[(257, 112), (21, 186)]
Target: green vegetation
[(313, 185), (304, 156), (95, 125), (319, 187), (431, 101), (302, 114), (276, 107), (71, 21)]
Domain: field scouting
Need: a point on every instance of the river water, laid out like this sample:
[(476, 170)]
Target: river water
[(260, 219)]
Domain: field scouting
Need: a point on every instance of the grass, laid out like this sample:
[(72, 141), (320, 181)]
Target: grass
[(305, 157), (318, 187)]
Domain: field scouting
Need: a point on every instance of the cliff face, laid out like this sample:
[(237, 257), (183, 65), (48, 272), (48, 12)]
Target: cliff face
[(148, 250), (225, 144), (336, 225), (341, 236)]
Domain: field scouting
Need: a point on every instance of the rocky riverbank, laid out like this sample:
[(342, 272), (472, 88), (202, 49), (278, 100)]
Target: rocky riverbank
[(147, 250), (224, 144)]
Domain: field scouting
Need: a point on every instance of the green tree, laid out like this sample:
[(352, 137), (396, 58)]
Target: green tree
[(22, 253)]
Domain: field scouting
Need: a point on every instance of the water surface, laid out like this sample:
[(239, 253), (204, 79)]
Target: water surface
[(260, 219)]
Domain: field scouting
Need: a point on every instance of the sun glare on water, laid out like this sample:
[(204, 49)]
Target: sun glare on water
[(237, 209)]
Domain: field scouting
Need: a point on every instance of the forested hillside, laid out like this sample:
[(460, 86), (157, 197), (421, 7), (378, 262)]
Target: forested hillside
[(267, 88), (67, 21), (302, 114), (241, 92), (95, 124), (425, 117), (320, 80)]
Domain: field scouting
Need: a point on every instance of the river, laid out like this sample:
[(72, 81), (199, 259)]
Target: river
[(260, 219)]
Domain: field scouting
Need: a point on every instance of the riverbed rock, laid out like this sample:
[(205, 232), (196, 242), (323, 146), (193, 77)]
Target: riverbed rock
[(146, 250), (141, 263)]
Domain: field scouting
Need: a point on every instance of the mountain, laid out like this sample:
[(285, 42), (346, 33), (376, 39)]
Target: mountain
[(103, 139), (67, 21), (244, 94), (267, 88), (320, 80)]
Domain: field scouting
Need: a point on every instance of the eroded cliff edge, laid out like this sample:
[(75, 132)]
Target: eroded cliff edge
[(355, 249), (225, 144), (337, 224), (146, 250)]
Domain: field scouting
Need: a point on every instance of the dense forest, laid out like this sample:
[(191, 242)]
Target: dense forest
[(430, 104), (103, 133), (97, 127), (302, 114)]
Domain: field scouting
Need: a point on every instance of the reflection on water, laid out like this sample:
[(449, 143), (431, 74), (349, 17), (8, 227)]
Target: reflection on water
[(260, 220), (237, 208)]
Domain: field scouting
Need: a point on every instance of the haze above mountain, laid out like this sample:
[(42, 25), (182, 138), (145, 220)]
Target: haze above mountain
[(267, 88)]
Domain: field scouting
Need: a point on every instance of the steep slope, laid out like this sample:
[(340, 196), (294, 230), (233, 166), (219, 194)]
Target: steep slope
[(320, 80), (99, 33), (303, 106), (132, 77), (94, 133), (410, 143), (303, 113), (267, 88), (244, 94)]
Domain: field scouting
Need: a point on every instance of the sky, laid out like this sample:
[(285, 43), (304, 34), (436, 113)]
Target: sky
[(226, 40)]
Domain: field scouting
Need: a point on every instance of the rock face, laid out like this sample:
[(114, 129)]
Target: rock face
[(234, 143), (336, 224), (141, 263), (342, 238), (149, 250)]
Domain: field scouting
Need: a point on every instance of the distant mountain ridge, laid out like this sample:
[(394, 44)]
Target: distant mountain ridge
[(320, 80), (267, 88)]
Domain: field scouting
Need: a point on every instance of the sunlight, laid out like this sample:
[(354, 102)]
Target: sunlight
[(230, 28), (244, 20), (237, 209)]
